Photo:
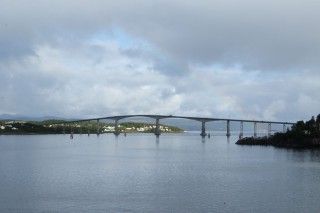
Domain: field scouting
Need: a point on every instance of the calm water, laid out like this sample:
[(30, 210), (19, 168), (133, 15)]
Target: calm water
[(138, 173)]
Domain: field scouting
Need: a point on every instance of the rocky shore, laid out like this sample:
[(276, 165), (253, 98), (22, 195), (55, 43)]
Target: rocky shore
[(281, 142)]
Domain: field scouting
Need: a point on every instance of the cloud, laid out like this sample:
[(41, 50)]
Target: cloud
[(254, 34), (273, 36), (241, 59), (63, 80)]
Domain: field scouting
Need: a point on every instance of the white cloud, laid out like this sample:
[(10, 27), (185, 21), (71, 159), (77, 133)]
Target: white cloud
[(64, 81)]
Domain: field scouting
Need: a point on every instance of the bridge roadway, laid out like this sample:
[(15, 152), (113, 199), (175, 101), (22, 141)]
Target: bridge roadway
[(203, 121)]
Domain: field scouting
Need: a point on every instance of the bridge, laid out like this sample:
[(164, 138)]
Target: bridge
[(202, 120)]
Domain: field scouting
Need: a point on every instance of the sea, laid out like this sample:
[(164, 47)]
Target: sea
[(178, 172)]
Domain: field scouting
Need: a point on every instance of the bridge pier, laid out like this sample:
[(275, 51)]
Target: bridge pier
[(157, 130), (71, 128), (269, 130), (284, 127), (203, 129), (255, 129), (228, 128), (116, 127), (241, 130)]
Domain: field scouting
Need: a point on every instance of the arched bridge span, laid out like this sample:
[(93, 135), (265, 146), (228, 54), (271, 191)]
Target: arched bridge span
[(203, 121)]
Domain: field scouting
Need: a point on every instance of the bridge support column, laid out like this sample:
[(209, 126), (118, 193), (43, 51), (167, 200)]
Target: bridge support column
[(203, 129), (71, 128), (116, 127), (98, 127), (228, 128), (255, 129), (157, 130), (71, 131), (269, 130), (241, 130), (284, 128)]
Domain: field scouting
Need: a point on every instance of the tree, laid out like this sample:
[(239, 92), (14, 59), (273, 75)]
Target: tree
[(318, 123), (299, 126)]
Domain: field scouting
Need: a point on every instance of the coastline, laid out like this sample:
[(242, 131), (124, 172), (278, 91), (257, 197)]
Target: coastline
[(51, 127), (284, 143)]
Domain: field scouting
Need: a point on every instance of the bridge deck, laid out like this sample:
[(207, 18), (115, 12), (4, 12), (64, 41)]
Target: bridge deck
[(201, 119)]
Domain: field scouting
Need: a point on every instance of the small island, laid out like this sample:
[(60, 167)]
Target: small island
[(301, 135), (65, 127)]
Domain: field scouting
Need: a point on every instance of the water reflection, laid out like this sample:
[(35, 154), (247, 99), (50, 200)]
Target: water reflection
[(110, 173), (203, 139), (302, 155)]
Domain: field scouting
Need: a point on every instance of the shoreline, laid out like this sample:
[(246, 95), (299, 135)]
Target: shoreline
[(309, 143), (68, 133)]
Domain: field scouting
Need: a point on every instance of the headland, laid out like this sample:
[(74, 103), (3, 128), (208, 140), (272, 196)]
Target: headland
[(301, 135)]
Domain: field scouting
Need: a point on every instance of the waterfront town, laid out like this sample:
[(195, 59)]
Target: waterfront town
[(58, 127)]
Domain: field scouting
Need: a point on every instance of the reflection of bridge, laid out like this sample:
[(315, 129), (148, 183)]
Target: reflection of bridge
[(200, 119)]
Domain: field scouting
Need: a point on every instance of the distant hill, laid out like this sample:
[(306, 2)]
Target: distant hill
[(29, 118)]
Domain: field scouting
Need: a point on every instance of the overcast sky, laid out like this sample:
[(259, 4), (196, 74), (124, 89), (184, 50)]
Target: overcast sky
[(245, 59)]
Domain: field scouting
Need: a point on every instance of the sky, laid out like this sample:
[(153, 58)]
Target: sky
[(240, 59)]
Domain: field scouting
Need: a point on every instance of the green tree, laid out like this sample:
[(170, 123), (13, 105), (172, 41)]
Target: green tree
[(298, 127), (310, 125), (318, 123)]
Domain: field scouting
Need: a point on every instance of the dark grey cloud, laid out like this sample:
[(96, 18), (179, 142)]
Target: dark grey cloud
[(255, 34), (273, 35)]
